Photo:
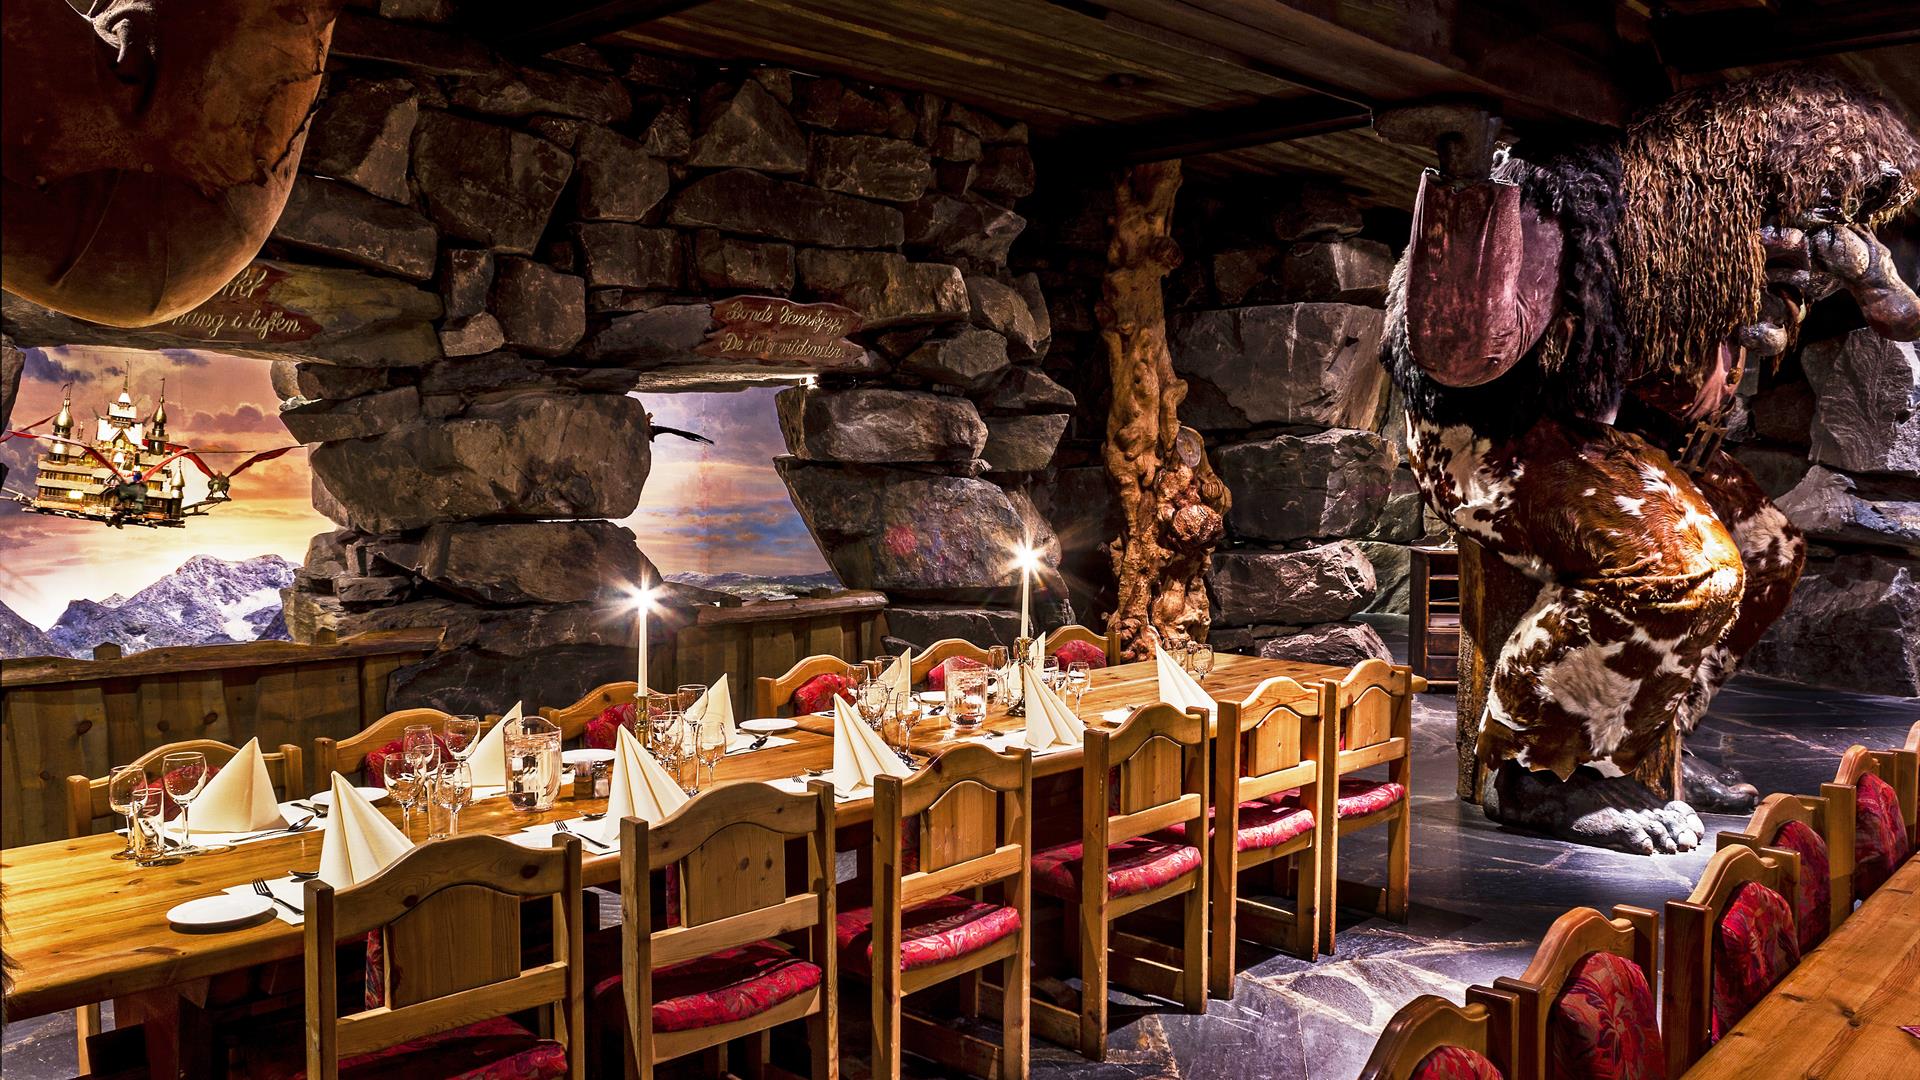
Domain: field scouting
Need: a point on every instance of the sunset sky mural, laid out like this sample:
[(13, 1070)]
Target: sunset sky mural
[(706, 509)]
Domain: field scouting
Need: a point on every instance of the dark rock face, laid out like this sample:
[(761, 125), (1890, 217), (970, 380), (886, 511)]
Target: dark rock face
[(619, 180), (1006, 171), (1000, 308), (1026, 389), (893, 170), (1342, 644), (347, 223), (963, 228), (323, 382), (1828, 506), (12, 363), (531, 91), (922, 626), (878, 426), (618, 255), (1281, 364), (476, 680), (1346, 271), (466, 280), (1867, 389), (488, 184), (363, 133), (742, 201), (353, 418), (724, 262), (1311, 585), (540, 310), (538, 455), (1784, 413), (471, 336), (662, 335), (548, 562), (1333, 483), (971, 360), (1023, 443), (752, 131), (1315, 212), (1393, 574), (884, 288), (1854, 623)]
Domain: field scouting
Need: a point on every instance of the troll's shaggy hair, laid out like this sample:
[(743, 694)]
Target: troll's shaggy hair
[(1704, 171)]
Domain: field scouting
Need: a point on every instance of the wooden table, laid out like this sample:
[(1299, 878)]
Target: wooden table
[(85, 928), (1837, 1015)]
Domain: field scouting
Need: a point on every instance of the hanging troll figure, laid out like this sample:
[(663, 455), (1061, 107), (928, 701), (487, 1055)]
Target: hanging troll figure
[(149, 145), (1568, 336)]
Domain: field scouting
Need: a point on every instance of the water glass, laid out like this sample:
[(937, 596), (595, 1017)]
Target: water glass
[(1079, 677), (462, 733), (874, 698), (417, 742), (452, 791), (660, 713), (148, 814), (966, 694), (689, 696), (533, 763), (711, 746), (183, 776), (1051, 674), (1200, 658), (124, 785), (403, 783)]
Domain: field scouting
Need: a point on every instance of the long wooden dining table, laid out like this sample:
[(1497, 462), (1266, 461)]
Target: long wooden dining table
[(83, 927), (1838, 1015)]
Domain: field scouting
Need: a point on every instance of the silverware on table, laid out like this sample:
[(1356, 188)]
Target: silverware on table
[(561, 827), (260, 886), (758, 743), (302, 825), (303, 875)]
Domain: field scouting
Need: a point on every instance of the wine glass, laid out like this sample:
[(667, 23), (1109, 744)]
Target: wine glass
[(462, 733), (124, 784), (184, 775), (660, 712), (452, 790), (1202, 656), (874, 698), (711, 745), (1051, 674), (1079, 676), (419, 745), (403, 782)]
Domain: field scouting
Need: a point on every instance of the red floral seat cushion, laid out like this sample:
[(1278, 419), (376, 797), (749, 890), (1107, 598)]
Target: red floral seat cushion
[(496, 1049), (1880, 841), (1358, 797), (817, 693), (729, 985), (938, 930), (1082, 652), (603, 731), (1455, 1063), (1262, 825), (1754, 947), (1605, 1025), (1132, 867), (1812, 901), (375, 764)]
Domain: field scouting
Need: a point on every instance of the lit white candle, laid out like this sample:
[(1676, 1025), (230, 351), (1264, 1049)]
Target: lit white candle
[(642, 600), (1025, 556)]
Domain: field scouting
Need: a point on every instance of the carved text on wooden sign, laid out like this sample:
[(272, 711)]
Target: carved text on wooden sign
[(781, 331), (243, 312)]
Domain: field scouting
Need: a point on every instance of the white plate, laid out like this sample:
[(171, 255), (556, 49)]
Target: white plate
[(218, 912), (585, 756), (371, 794), (932, 697), (772, 725)]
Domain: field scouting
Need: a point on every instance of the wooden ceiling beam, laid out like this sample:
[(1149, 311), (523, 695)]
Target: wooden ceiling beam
[(1751, 37), (533, 27), (1210, 131)]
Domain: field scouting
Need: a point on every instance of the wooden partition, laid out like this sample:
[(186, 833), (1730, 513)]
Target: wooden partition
[(764, 638), (61, 717)]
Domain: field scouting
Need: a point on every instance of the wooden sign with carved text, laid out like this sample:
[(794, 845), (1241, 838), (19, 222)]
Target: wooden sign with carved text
[(781, 331), (243, 313)]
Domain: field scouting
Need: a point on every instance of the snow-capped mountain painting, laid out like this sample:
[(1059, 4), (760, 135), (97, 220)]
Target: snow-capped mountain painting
[(207, 601), (759, 586)]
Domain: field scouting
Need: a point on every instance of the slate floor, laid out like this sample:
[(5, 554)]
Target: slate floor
[(1482, 897)]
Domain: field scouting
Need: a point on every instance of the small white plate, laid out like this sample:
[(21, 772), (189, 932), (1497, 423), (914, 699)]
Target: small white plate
[(371, 794), (219, 912), (932, 697), (772, 725), (585, 756)]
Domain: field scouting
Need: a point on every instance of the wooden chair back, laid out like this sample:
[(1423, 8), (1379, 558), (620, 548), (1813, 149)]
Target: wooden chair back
[(1107, 643), (946, 649), (1429, 1023), (729, 851), (1574, 936), (1899, 768), (346, 756), (1375, 704), (1158, 759), (1830, 816), (1909, 787), (1686, 991), (87, 796), (450, 913), (774, 696), (573, 720)]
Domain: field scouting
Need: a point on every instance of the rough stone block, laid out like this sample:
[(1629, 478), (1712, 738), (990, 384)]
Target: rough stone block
[(725, 262), (1829, 506), (1000, 308), (363, 134), (669, 134), (892, 170), (353, 418), (879, 426), (1289, 487), (349, 224), (1341, 644), (921, 626), (1867, 392), (1006, 171), (1317, 584), (1854, 624), (742, 201), (619, 180), (661, 335), (486, 183), (1313, 211), (540, 310), (525, 91), (547, 562), (1350, 271), (472, 336), (964, 227), (751, 131), (1281, 364), (1392, 574), (619, 255), (466, 280), (884, 288), (1026, 389), (971, 360), (294, 381), (1023, 443)]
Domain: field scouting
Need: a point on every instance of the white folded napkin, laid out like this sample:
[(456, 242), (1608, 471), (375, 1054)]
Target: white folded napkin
[(898, 679), (1050, 723), (239, 798), (641, 788), (1177, 688), (360, 841), (718, 700), (859, 754), (1037, 654), (489, 758)]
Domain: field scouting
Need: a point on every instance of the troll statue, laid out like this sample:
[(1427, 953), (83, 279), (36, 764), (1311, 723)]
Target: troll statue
[(1568, 336)]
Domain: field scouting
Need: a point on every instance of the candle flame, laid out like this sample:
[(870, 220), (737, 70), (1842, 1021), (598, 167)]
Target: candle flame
[(1025, 557), (643, 599)]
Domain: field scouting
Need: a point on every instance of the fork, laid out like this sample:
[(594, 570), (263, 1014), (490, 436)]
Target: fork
[(561, 827), (260, 886), (302, 825)]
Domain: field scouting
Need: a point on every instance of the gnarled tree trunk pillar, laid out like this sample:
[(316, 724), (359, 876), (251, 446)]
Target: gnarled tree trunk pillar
[(1172, 506)]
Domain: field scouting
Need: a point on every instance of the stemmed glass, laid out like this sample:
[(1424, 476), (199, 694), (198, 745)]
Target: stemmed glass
[(1200, 654), (462, 734), (689, 696), (184, 775), (124, 785), (711, 745), (452, 790), (1078, 678), (403, 782), (1051, 674), (856, 682), (661, 711), (418, 744), (873, 704)]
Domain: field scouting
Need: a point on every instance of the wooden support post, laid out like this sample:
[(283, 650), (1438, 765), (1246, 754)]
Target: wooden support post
[(1172, 506)]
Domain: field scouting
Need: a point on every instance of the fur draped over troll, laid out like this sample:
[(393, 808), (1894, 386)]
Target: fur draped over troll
[(1661, 224)]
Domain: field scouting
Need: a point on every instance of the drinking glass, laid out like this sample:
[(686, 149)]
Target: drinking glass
[(661, 712), (1202, 658), (418, 744), (452, 790), (966, 693), (689, 696), (856, 681), (999, 688), (875, 669), (184, 776), (462, 733), (874, 699), (124, 784), (148, 813), (1051, 674), (1078, 678), (403, 782), (712, 745)]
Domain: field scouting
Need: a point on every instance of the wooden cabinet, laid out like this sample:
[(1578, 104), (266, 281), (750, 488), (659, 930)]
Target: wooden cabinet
[(1433, 629)]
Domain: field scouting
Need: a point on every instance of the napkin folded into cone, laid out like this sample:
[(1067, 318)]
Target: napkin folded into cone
[(898, 679), (1177, 688), (641, 788), (360, 842), (1050, 723), (489, 758), (859, 754), (240, 797), (717, 701)]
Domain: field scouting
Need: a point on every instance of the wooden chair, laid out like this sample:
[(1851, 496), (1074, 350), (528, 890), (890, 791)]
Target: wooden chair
[(1591, 956), (573, 720), (346, 756), (1375, 708), (1433, 1036), (1120, 866), (1739, 908), (944, 650), (1108, 644), (728, 848), (934, 923), (1269, 804), (1882, 837), (774, 697), (1819, 831)]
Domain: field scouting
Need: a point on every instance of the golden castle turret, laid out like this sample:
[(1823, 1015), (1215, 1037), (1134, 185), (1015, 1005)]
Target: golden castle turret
[(123, 480)]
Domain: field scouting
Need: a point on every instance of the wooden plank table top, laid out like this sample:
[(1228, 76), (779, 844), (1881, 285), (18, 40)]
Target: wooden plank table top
[(85, 928), (1838, 1013)]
